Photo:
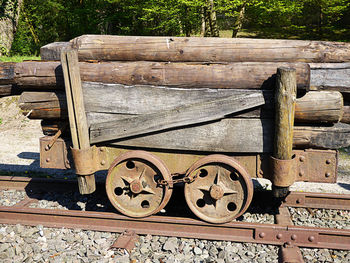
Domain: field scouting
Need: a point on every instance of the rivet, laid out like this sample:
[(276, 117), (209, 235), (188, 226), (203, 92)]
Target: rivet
[(293, 237), (328, 161), (47, 148), (288, 243), (302, 158), (328, 174), (279, 236), (48, 160), (298, 201), (262, 235), (103, 162), (301, 173), (311, 238)]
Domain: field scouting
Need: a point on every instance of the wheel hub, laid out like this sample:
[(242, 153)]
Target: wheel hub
[(216, 192)]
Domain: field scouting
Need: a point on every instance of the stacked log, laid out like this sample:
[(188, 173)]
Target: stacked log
[(126, 78)]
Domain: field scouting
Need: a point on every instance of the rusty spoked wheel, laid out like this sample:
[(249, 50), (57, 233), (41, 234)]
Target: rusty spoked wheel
[(132, 184), (222, 190)]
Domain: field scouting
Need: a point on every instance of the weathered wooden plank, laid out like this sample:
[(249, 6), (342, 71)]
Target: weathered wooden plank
[(346, 113), (76, 111), (330, 76), (105, 47), (185, 75), (177, 117), (7, 73), (319, 106), (239, 135), (227, 135), (9, 90), (120, 101), (53, 50), (334, 137), (43, 105)]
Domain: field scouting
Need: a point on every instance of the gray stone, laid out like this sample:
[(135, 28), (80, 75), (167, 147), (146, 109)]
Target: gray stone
[(144, 249), (197, 251), (213, 251), (220, 260), (170, 245), (222, 254)]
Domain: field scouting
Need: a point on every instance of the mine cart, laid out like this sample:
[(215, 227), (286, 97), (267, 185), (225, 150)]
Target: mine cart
[(208, 114)]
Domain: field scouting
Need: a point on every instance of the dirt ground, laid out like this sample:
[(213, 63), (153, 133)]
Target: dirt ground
[(19, 152)]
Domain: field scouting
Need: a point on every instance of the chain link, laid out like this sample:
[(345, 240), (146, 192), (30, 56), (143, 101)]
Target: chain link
[(186, 179)]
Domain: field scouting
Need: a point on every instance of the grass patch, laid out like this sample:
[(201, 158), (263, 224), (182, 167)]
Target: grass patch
[(18, 58)]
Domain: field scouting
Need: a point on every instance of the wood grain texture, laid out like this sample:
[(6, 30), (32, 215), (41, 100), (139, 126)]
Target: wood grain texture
[(285, 97), (9, 90), (119, 102), (53, 50), (43, 105), (36, 75), (346, 114), (177, 117), (334, 137), (104, 47), (330, 76), (319, 107), (76, 110), (239, 135)]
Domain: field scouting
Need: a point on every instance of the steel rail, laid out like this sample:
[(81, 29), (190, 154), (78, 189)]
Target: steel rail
[(294, 199), (180, 227), (318, 200)]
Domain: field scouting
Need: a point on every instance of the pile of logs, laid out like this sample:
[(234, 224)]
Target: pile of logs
[(128, 81)]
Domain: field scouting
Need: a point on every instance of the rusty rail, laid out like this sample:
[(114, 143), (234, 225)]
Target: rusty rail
[(180, 227)]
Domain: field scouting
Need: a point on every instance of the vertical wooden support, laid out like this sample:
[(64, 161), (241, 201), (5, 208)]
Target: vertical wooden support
[(285, 97), (76, 112)]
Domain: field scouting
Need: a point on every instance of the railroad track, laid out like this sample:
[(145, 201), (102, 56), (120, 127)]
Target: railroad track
[(282, 233)]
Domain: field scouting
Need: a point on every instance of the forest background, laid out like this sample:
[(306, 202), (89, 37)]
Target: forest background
[(26, 25)]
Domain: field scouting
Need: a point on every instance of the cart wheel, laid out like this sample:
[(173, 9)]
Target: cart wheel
[(222, 190), (132, 184)]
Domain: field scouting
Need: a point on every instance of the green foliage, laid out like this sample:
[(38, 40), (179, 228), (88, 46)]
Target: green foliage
[(18, 58), (45, 21)]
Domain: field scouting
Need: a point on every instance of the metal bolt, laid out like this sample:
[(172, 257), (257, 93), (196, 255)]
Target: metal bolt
[(328, 161), (279, 236), (103, 162), (48, 160), (298, 201), (302, 158), (311, 238), (328, 174), (301, 173), (262, 235), (288, 243), (293, 237), (47, 148), (102, 150)]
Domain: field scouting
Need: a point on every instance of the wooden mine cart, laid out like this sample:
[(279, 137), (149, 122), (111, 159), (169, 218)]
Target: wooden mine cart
[(210, 113)]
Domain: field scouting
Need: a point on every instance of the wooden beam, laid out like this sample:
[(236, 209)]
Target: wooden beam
[(319, 107), (285, 97), (330, 76), (178, 117), (76, 111), (105, 102), (194, 49), (48, 75), (53, 50)]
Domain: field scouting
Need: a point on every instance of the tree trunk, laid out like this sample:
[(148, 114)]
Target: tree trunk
[(8, 24), (239, 21), (214, 31)]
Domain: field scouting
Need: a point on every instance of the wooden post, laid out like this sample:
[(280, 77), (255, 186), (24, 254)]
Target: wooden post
[(76, 113), (285, 98)]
